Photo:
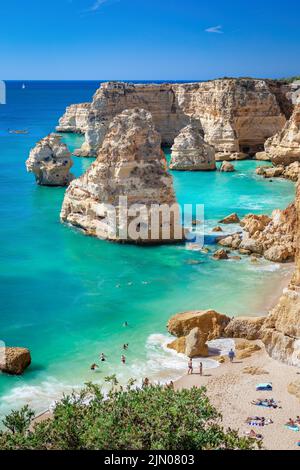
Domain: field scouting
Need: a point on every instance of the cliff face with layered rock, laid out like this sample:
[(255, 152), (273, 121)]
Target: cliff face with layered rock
[(75, 119), (191, 152), (281, 330), (50, 161), (236, 115), (284, 147), (130, 163)]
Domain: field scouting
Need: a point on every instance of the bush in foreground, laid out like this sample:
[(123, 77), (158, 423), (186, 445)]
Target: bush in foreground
[(154, 418)]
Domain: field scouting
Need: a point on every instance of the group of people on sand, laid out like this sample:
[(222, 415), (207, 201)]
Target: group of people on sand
[(231, 356), (103, 357), (191, 367)]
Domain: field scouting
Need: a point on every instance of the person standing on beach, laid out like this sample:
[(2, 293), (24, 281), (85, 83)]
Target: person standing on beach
[(201, 368), (231, 355), (190, 367)]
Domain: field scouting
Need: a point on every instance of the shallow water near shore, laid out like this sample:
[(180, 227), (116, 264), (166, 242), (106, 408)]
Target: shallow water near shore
[(66, 296)]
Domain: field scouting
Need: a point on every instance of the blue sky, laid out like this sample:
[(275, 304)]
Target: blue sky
[(148, 39)]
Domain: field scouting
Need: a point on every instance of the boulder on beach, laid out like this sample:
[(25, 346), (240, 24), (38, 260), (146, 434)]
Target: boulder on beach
[(209, 322), (14, 360), (195, 344)]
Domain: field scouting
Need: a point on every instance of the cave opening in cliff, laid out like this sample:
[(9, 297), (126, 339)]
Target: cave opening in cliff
[(251, 148)]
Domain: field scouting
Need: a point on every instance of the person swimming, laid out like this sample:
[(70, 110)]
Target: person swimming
[(125, 346), (94, 366), (102, 357), (125, 324), (123, 359)]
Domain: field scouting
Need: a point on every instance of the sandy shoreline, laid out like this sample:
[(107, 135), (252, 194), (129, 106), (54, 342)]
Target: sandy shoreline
[(231, 392)]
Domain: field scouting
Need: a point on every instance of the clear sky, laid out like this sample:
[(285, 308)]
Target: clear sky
[(148, 39)]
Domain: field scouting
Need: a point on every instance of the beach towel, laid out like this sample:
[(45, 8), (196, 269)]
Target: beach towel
[(292, 428), (264, 387), (255, 423)]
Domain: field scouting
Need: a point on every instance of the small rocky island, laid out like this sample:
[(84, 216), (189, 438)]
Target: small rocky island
[(50, 161), (130, 163)]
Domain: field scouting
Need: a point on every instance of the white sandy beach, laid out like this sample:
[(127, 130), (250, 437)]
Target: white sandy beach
[(231, 392)]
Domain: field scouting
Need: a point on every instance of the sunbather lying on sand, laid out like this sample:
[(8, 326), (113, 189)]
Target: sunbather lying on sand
[(258, 421), (266, 402), (293, 424), (254, 435)]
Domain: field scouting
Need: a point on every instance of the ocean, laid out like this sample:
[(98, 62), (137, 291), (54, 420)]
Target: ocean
[(66, 296)]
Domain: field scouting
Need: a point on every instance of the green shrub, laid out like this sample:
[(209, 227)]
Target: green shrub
[(154, 418)]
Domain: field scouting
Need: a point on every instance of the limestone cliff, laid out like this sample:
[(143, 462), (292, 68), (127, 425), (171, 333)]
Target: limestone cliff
[(50, 161), (75, 119), (191, 152), (236, 115), (284, 147), (281, 330), (130, 163)]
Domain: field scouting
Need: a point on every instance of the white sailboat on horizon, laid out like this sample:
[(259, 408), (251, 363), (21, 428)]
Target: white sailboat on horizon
[(23, 86)]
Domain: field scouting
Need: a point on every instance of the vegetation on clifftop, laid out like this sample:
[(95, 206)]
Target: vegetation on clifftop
[(154, 418)]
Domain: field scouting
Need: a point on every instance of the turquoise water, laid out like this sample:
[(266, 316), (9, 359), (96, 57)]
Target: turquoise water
[(66, 296)]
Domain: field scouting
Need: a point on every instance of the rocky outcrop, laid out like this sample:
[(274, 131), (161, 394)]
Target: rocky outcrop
[(75, 119), (209, 322), (193, 330), (273, 237), (130, 164), (290, 172), (227, 167), (50, 161), (220, 255), (236, 115), (14, 361), (230, 219), (190, 151), (284, 147), (245, 327)]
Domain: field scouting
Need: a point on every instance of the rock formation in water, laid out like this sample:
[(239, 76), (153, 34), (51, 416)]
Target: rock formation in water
[(284, 147), (191, 152), (50, 161), (75, 119), (290, 172), (273, 237), (227, 167), (236, 115), (14, 361), (130, 164), (193, 330)]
